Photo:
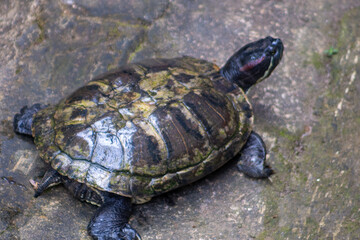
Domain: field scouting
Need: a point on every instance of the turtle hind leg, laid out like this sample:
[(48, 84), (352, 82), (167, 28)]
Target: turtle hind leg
[(83, 192), (50, 179), (23, 120), (252, 158), (110, 221)]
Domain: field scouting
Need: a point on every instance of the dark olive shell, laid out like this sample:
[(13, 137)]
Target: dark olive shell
[(145, 128)]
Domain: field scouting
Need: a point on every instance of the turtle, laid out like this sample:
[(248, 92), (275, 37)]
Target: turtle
[(149, 127)]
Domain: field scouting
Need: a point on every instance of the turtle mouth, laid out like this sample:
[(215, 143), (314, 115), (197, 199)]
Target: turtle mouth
[(275, 48), (274, 51), (280, 48)]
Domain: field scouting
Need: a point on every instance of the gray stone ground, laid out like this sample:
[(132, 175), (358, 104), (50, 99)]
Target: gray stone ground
[(308, 112)]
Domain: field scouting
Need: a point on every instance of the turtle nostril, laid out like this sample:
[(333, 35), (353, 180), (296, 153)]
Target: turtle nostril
[(277, 42)]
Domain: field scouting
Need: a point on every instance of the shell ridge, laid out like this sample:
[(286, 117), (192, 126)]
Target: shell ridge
[(156, 130), (153, 122), (182, 137)]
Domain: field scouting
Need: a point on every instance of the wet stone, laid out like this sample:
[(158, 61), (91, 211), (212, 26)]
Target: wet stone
[(146, 11), (307, 112), (30, 35)]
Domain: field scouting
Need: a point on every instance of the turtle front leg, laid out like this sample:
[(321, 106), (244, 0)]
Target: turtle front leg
[(252, 158), (110, 221)]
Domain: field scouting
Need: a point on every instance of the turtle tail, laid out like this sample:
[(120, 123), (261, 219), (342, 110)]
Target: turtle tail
[(51, 178)]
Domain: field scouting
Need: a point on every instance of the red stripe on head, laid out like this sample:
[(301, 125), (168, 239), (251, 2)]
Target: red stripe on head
[(252, 64)]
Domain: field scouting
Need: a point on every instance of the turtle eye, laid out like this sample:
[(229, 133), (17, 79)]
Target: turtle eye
[(271, 50)]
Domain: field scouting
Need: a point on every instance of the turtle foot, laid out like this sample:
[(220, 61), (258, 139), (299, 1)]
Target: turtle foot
[(110, 221), (125, 232), (23, 120), (252, 159), (255, 172)]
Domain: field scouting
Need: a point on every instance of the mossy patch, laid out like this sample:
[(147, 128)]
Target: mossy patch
[(138, 48), (18, 70), (114, 33), (111, 67), (132, 25), (40, 22), (317, 61)]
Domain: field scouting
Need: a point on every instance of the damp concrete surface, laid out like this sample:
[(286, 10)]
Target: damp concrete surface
[(308, 113)]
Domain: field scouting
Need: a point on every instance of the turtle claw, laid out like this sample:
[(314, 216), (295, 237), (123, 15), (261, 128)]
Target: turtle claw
[(138, 237), (34, 184), (128, 233), (124, 233), (110, 221)]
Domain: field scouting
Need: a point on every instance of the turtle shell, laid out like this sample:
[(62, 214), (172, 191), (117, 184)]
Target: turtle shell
[(145, 128)]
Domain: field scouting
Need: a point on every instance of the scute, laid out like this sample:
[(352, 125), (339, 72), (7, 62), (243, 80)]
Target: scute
[(146, 128), (149, 153), (108, 152), (216, 114), (78, 142), (186, 142)]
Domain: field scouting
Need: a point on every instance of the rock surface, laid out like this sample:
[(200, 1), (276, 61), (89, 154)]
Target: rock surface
[(308, 112)]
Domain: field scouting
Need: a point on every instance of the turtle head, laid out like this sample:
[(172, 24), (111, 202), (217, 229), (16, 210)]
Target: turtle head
[(254, 62)]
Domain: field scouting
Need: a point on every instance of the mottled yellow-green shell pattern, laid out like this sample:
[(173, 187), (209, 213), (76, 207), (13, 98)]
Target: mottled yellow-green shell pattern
[(145, 128)]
